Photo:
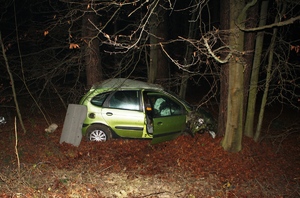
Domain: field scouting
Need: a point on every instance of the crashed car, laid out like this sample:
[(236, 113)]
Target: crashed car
[(2, 120), (128, 108)]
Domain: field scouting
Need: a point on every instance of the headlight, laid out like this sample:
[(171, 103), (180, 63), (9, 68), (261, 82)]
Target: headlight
[(200, 121), (198, 124), (2, 120)]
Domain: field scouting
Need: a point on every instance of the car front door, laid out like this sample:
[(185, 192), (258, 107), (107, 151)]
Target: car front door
[(169, 117)]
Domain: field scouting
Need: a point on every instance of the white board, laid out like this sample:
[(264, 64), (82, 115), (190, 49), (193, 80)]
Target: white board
[(71, 132)]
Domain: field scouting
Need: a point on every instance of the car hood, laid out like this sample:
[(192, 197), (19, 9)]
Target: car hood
[(200, 120)]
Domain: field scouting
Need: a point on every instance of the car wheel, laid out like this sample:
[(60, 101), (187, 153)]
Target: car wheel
[(98, 133)]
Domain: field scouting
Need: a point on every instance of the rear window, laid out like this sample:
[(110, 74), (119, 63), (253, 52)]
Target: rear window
[(99, 99)]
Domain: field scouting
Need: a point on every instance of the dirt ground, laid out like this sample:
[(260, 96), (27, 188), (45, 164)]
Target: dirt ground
[(190, 167)]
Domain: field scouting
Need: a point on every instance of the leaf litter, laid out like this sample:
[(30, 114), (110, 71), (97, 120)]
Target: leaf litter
[(185, 167)]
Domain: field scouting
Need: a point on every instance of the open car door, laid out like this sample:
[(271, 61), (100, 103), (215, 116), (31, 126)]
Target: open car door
[(169, 118), (167, 128)]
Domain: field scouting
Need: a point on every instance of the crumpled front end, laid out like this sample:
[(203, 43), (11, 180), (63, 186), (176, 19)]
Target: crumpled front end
[(2, 120), (201, 121)]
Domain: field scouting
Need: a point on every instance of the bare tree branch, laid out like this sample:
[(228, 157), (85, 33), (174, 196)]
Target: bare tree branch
[(279, 24), (12, 84)]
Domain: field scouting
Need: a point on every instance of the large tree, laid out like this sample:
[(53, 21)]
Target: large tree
[(235, 105), (159, 66), (91, 45), (234, 125), (251, 100)]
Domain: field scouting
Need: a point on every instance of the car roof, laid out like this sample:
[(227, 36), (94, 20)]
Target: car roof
[(125, 83)]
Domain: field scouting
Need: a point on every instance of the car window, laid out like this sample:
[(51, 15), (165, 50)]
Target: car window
[(163, 105), (128, 100), (99, 99), (181, 99)]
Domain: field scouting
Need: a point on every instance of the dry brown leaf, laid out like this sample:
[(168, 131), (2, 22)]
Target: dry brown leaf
[(46, 33), (74, 46)]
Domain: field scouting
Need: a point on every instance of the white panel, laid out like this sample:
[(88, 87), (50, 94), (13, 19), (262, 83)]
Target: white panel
[(71, 132)]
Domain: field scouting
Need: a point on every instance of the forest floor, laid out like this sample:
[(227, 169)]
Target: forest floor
[(187, 167)]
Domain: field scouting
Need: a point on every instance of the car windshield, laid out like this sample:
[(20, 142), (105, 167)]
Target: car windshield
[(181, 100)]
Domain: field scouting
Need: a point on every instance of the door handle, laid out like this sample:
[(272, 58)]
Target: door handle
[(159, 123), (109, 113)]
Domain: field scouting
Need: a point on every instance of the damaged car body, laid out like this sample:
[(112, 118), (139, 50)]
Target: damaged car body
[(128, 108)]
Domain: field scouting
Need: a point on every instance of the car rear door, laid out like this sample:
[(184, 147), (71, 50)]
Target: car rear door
[(169, 117), (123, 113)]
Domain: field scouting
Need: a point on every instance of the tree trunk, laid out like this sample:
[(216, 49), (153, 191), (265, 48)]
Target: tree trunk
[(251, 22), (222, 119), (224, 18), (184, 84), (234, 126), (91, 49), (269, 76), (266, 90), (159, 65), (188, 55), (249, 124), (232, 140)]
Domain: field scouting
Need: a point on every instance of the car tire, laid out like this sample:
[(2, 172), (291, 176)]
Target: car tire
[(98, 133)]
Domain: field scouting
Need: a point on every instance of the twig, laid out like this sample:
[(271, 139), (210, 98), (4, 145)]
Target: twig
[(106, 168), (282, 136), (16, 147), (261, 186), (3, 178), (12, 84), (157, 193)]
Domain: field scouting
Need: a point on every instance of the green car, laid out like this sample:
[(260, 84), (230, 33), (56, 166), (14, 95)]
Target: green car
[(128, 108)]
